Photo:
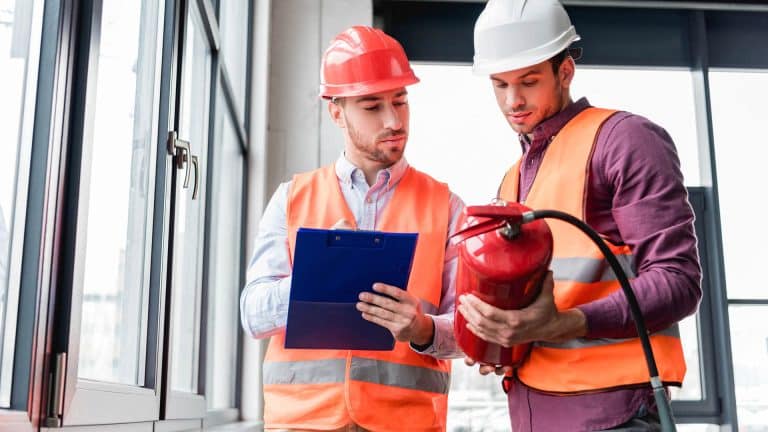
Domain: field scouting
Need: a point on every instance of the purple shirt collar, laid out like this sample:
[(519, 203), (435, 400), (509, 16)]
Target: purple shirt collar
[(548, 128)]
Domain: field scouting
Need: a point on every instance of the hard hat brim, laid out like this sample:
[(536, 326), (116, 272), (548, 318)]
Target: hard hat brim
[(366, 88), (482, 66)]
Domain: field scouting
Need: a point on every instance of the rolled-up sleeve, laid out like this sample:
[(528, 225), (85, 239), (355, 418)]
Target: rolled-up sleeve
[(264, 300)]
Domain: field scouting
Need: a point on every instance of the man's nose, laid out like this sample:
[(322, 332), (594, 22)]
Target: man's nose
[(392, 119), (513, 99)]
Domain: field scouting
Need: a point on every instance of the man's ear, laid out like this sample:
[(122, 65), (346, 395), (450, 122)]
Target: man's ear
[(337, 114), (567, 70)]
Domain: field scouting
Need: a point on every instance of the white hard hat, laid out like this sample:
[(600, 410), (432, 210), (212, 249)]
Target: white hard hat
[(513, 34)]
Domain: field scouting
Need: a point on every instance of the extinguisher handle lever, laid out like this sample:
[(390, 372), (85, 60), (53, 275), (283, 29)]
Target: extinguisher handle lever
[(510, 214), (476, 230)]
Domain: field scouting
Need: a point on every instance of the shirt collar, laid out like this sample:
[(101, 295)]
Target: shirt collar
[(346, 169), (548, 128)]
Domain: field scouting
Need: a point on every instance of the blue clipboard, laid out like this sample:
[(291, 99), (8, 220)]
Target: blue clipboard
[(330, 269)]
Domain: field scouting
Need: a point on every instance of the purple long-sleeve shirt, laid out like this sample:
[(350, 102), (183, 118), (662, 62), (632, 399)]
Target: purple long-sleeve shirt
[(635, 196)]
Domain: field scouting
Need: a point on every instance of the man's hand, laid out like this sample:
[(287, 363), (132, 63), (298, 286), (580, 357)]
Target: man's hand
[(540, 321), (485, 369), (401, 314)]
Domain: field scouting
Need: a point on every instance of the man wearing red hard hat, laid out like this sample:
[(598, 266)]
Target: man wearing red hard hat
[(364, 75)]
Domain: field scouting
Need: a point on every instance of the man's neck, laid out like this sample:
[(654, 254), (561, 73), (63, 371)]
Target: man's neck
[(369, 168), (371, 173), (565, 103)]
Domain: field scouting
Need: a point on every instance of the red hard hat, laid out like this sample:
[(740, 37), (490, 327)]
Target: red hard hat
[(361, 61)]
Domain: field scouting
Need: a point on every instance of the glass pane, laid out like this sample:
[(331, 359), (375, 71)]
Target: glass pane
[(637, 91), (225, 253), (234, 46), (749, 343), (739, 114), (189, 218), (439, 131), (691, 389), (119, 194), (476, 403), (20, 24), (698, 428)]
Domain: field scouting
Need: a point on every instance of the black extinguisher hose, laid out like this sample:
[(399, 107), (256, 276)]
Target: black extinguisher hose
[(659, 393)]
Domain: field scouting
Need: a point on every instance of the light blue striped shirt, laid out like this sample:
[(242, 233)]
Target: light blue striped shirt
[(264, 301)]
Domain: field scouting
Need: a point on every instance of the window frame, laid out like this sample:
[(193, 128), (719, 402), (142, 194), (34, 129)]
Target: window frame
[(49, 301), (17, 327), (27, 236), (239, 121), (114, 403), (178, 405)]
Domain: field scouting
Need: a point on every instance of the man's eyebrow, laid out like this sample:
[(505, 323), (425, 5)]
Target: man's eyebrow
[(372, 98), (525, 75), (529, 73), (368, 99)]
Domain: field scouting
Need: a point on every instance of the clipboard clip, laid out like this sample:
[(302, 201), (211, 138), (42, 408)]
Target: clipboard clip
[(343, 238)]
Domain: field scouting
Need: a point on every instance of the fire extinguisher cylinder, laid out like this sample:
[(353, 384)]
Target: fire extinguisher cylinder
[(502, 266)]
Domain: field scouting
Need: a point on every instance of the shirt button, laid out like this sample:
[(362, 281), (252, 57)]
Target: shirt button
[(368, 200)]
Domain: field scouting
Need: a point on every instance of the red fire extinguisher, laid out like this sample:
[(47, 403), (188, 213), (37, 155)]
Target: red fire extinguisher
[(504, 252), (502, 262)]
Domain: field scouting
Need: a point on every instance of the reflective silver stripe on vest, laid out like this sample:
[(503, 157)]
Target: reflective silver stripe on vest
[(399, 375), (305, 372), (588, 270), (367, 370), (673, 331), (428, 308)]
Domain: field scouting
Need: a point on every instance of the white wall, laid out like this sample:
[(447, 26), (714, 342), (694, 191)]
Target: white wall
[(301, 137), (290, 129)]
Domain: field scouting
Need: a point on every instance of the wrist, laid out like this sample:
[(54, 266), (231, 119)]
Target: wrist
[(573, 324), (426, 333)]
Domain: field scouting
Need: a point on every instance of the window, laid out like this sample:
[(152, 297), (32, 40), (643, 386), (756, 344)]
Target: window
[(456, 128), (189, 218), (105, 266), (454, 113), (225, 266), (234, 48), (226, 216), (88, 214), (639, 91), (739, 114), (113, 335), (20, 24)]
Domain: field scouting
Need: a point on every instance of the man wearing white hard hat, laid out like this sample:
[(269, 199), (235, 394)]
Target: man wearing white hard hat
[(619, 173)]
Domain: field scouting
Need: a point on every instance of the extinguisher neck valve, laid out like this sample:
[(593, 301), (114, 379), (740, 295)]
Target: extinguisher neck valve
[(510, 230)]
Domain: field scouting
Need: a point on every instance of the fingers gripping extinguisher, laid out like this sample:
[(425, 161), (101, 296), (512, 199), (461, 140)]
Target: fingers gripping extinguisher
[(504, 252)]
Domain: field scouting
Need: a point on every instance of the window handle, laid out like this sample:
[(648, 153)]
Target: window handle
[(180, 150), (197, 176)]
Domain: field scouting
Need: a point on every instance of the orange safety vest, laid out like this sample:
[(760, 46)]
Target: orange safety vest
[(378, 390), (583, 275)]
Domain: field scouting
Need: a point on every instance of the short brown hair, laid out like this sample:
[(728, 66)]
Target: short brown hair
[(558, 59)]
